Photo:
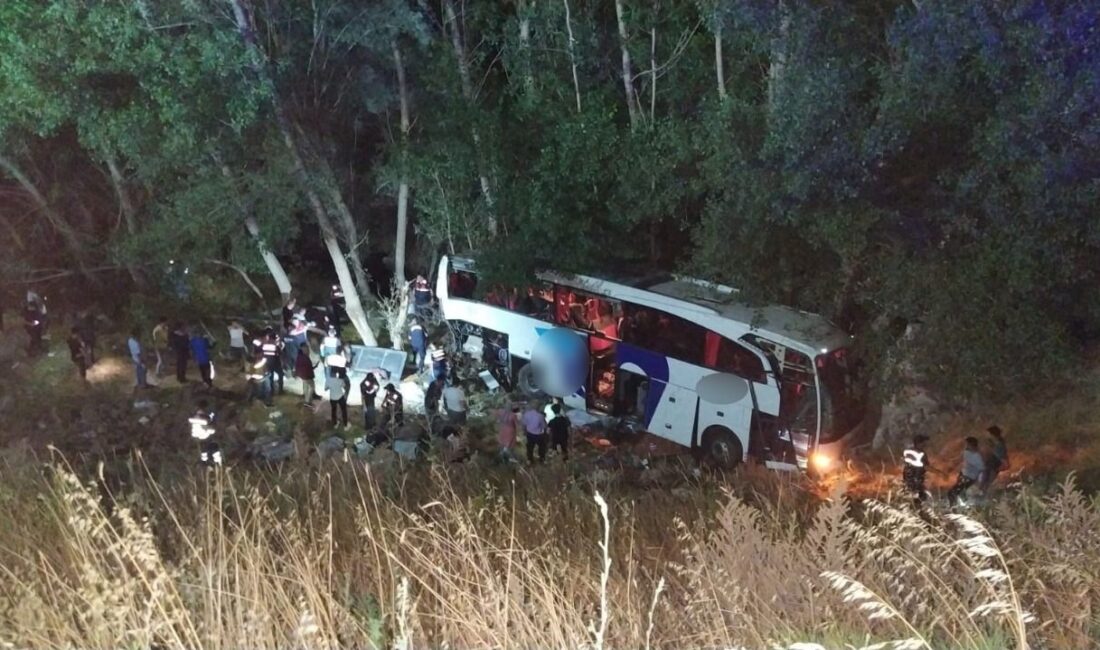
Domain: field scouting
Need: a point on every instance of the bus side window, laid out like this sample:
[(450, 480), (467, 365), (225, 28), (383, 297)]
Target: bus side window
[(461, 284)]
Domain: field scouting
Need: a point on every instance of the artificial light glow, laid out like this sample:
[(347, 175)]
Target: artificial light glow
[(824, 350), (821, 462)]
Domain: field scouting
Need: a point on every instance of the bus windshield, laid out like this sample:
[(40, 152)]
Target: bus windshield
[(842, 397)]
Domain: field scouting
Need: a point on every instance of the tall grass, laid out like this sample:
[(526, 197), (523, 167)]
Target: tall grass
[(344, 557)]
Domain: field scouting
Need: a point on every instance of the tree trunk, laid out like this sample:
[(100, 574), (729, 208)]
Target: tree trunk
[(525, 47), (274, 266), (345, 223), (778, 64), (68, 235), (129, 213), (572, 54), (628, 75), (653, 74), (719, 67), (354, 306), (403, 187), (468, 92)]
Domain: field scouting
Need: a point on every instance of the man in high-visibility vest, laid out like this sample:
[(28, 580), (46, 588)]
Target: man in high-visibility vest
[(418, 341), (202, 429), (915, 469)]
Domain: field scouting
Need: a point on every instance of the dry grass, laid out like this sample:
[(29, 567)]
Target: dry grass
[(346, 557)]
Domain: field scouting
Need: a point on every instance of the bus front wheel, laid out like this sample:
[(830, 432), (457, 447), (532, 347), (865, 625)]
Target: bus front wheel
[(527, 382), (722, 448)]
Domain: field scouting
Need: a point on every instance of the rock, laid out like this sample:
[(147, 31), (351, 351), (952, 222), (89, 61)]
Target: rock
[(329, 447)]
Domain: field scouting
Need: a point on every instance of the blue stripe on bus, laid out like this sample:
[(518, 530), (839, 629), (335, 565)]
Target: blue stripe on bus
[(654, 366)]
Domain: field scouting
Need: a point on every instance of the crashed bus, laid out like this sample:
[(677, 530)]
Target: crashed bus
[(680, 357)]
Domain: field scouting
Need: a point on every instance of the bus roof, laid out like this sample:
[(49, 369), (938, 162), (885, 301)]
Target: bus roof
[(800, 326), (793, 327)]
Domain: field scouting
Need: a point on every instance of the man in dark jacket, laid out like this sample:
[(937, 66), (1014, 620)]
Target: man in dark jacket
[(78, 353), (180, 343), (368, 389)]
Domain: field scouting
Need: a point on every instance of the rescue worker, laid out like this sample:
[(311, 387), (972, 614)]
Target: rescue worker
[(916, 466), (418, 341), (972, 471), (337, 306), (393, 407), (257, 376), (422, 295), (289, 310), (270, 347), (998, 457), (368, 390), (202, 430)]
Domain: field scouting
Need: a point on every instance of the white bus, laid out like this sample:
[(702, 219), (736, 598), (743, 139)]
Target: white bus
[(682, 357)]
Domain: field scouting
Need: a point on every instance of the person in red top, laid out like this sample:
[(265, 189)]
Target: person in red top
[(507, 418), (303, 369)]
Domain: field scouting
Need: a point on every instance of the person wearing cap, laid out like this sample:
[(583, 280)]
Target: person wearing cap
[(998, 456), (915, 469)]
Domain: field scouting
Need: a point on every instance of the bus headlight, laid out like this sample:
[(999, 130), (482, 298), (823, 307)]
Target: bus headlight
[(821, 462)]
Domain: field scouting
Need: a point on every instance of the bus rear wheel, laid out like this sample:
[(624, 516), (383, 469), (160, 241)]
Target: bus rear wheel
[(722, 448), (527, 382)]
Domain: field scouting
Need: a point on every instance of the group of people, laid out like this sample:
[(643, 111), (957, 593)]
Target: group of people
[(544, 429), (977, 468)]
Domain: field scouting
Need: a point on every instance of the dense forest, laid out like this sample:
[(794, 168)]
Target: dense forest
[(929, 167)]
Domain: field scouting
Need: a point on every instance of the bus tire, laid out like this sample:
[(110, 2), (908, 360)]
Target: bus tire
[(525, 382), (722, 448)]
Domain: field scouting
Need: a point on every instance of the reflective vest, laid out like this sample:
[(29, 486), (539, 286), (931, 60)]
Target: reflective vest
[(913, 458), (438, 355), (201, 428)]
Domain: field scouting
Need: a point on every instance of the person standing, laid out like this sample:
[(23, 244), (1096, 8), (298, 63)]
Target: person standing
[(238, 352), (273, 365), (34, 323), (393, 407), (432, 398), (202, 430), (134, 346), (200, 352), (418, 341), (454, 403), (181, 346), (998, 456), (160, 343), (288, 313), (507, 418), (973, 471), (439, 362), (337, 307), (338, 386), (86, 329), (422, 296), (915, 469), (368, 390), (559, 431), (303, 370), (534, 425), (78, 353)]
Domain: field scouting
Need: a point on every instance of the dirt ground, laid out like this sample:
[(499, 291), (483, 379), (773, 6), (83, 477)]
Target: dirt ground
[(44, 407)]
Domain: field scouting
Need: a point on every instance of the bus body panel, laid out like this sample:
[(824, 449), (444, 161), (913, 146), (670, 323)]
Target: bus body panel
[(674, 408)]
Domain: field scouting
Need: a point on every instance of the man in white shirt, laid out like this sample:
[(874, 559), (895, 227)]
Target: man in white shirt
[(454, 402)]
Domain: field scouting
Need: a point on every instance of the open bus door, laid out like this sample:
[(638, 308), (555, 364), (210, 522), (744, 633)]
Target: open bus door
[(602, 373)]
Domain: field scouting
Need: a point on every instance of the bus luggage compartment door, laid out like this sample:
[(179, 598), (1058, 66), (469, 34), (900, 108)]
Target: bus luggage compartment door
[(673, 412)]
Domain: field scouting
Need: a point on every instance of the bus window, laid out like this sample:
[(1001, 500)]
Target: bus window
[(461, 284), (664, 333), (732, 357)]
